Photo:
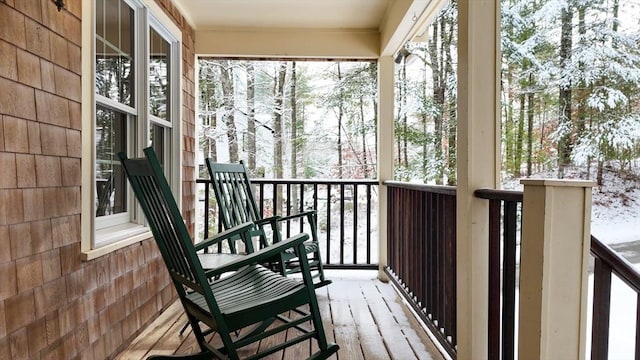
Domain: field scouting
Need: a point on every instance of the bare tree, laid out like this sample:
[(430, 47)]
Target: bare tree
[(228, 93), (251, 116)]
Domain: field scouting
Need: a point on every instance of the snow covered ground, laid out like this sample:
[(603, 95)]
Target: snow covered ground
[(615, 216)]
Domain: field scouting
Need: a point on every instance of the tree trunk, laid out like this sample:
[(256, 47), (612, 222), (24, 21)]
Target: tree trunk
[(438, 99), (209, 105), (452, 104), (251, 116), (565, 143), (228, 94), (363, 138), (405, 129), (530, 114), (517, 159), (278, 113), (424, 119), (295, 140), (373, 74), (340, 115)]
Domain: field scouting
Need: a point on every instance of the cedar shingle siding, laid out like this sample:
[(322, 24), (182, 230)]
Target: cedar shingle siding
[(52, 304)]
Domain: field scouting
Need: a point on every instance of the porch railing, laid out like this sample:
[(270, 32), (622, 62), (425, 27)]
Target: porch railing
[(421, 234), (607, 263), (421, 253), (346, 209), (505, 216)]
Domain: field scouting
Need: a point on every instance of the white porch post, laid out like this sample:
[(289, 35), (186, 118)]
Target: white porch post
[(556, 230), (478, 166), (385, 152)]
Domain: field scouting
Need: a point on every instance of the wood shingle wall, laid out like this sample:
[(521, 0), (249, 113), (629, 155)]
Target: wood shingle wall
[(52, 304)]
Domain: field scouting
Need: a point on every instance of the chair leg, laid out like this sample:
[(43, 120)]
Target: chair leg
[(326, 349), (324, 354), (323, 281), (317, 257), (184, 328)]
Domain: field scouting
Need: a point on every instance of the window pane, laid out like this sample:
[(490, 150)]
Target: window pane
[(158, 75), (114, 55), (158, 142), (111, 134)]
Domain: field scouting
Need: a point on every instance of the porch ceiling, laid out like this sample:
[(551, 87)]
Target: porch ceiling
[(305, 28), (325, 14)]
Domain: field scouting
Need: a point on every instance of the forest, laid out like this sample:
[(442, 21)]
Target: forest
[(570, 74)]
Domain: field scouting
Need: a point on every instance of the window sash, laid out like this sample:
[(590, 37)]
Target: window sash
[(141, 120)]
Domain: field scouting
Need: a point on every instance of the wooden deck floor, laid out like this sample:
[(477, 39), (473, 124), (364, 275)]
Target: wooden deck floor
[(361, 314)]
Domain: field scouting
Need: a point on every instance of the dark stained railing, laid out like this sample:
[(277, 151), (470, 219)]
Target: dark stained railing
[(505, 216), (421, 253), (421, 250), (346, 215), (607, 263)]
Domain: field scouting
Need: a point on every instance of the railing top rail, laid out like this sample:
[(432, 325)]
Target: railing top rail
[(618, 264), (496, 194), (305, 181), (438, 189)]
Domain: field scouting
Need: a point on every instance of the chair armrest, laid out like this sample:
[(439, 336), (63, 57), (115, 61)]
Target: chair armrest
[(224, 235), (294, 216), (269, 220), (260, 256)]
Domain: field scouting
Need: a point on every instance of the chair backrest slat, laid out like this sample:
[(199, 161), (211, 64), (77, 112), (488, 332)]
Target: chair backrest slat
[(165, 220), (234, 193)]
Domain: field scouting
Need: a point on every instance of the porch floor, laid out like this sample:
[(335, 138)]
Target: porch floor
[(361, 314)]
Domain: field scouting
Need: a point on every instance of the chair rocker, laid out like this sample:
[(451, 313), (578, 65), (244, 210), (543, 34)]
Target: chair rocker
[(236, 201), (246, 296)]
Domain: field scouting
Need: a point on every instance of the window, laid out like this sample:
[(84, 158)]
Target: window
[(135, 91)]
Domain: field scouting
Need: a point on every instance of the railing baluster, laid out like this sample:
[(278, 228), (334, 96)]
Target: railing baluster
[(288, 209), (637, 347), (355, 224), (328, 257), (207, 188), (509, 279), (601, 309), (261, 200), (301, 208), (451, 285), (494, 279), (368, 223), (342, 224)]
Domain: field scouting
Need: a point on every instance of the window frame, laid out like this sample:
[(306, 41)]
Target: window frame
[(104, 234)]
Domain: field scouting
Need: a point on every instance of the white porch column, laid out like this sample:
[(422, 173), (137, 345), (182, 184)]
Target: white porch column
[(385, 152), (556, 230), (478, 166)]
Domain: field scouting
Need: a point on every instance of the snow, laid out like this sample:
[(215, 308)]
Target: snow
[(615, 215)]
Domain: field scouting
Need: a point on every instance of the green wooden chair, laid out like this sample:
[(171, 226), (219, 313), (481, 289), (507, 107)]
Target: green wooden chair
[(246, 296), (236, 201)]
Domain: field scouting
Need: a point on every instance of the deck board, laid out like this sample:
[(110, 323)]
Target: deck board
[(363, 315)]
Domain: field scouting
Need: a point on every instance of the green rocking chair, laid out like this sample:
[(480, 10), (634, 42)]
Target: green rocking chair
[(247, 295), (237, 204)]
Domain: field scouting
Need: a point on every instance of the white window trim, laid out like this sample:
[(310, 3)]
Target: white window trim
[(123, 235)]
